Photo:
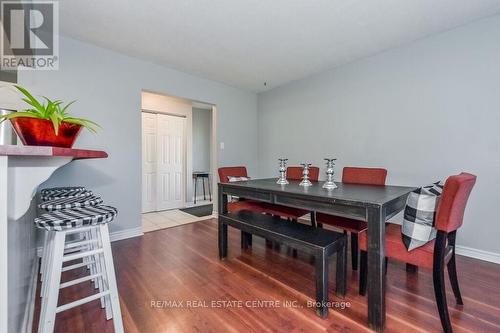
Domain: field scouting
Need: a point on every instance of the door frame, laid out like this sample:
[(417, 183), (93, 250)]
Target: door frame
[(214, 152)]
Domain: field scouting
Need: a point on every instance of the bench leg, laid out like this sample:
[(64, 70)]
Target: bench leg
[(341, 278), (321, 264), (222, 240)]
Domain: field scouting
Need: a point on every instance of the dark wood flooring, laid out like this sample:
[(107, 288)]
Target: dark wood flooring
[(181, 264)]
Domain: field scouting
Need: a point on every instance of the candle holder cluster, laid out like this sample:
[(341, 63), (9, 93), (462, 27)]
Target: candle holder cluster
[(305, 175), (282, 179), (330, 184)]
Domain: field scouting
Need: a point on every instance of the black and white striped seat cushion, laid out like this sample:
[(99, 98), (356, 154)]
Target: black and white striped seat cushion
[(57, 190), (75, 218), (69, 203), (68, 194)]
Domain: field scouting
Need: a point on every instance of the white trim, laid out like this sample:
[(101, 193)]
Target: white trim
[(114, 236), (127, 233), (29, 310), (478, 254)]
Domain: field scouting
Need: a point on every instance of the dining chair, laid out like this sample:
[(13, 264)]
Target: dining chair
[(361, 176), (436, 253), (242, 204), (291, 213)]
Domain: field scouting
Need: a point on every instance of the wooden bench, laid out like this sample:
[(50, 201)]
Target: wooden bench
[(321, 243)]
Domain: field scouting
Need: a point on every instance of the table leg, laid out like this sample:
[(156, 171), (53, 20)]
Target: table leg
[(209, 188), (195, 184), (203, 182), (313, 219), (222, 240), (376, 276)]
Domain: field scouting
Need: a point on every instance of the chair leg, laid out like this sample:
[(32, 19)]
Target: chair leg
[(363, 272), (438, 279), (452, 272), (341, 278), (354, 251), (411, 268)]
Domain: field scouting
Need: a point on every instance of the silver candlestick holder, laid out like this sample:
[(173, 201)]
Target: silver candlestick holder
[(305, 175), (330, 184), (282, 180)]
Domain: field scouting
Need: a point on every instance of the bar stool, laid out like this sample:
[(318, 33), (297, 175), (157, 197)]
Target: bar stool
[(56, 199), (61, 223), (68, 203)]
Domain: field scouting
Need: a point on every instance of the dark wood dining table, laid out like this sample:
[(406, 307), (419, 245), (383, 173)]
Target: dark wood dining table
[(373, 204)]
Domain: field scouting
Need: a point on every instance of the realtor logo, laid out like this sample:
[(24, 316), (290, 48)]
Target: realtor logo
[(30, 35)]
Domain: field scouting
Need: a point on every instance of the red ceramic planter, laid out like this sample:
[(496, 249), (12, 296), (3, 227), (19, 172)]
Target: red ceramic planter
[(40, 132)]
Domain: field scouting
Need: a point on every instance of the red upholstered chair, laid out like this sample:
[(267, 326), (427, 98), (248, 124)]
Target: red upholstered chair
[(354, 175), (437, 253), (292, 173), (238, 171)]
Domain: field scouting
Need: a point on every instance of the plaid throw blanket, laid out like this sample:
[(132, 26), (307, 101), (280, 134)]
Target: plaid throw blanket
[(419, 215)]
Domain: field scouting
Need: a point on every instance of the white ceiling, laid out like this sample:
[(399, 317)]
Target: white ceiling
[(245, 43)]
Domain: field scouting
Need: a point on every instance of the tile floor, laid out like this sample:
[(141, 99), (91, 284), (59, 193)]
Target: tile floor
[(168, 219)]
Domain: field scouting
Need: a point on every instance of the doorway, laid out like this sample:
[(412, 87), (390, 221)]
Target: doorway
[(178, 140), (163, 161)]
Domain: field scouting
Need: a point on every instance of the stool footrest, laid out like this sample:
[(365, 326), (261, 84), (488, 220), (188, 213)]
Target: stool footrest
[(81, 301), (78, 281), (75, 266), (81, 255), (80, 243)]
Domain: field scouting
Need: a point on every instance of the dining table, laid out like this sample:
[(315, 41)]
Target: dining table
[(371, 203)]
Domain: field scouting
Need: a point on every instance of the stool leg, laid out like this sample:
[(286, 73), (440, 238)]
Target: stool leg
[(43, 261), (104, 280), (111, 278), (99, 284), (48, 317), (48, 255)]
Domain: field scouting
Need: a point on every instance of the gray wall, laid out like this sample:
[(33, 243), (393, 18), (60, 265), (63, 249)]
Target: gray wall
[(202, 132), (108, 88), (424, 111)]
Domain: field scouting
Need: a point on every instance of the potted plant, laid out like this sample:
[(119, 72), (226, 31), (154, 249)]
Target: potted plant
[(46, 123)]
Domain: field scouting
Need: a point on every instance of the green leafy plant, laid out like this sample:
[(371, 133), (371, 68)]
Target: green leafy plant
[(52, 110)]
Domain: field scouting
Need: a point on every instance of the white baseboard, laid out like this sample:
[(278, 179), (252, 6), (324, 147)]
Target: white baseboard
[(478, 254), (127, 233), (29, 310)]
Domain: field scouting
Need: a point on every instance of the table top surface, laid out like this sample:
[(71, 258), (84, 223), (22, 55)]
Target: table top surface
[(201, 173), (46, 151), (349, 193)]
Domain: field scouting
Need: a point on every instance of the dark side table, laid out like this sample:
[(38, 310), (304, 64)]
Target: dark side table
[(203, 175)]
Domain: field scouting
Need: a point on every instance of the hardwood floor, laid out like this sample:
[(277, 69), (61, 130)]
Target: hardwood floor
[(181, 264)]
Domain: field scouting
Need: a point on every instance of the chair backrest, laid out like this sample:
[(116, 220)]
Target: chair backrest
[(236, 171), (450, 211), (364, 176), (295, 173)]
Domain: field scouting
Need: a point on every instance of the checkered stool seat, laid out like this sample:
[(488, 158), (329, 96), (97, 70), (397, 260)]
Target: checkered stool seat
[(75, 218), (58, 190), (68, 194), (70, 203)]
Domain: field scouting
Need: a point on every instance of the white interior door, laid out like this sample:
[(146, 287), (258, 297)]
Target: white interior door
[(149, 162), (170, 162)]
